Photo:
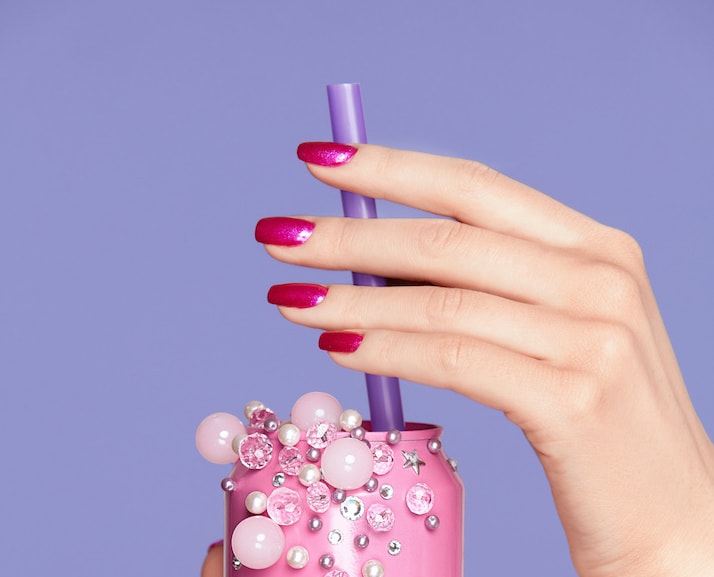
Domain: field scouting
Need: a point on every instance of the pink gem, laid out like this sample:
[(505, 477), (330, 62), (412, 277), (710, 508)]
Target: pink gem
[(284, 506), (258, 418), (337, 573), (255, 451), (420, 498), (291, 460), (321, 434), (380, 517), (318, 497), (383, 457)]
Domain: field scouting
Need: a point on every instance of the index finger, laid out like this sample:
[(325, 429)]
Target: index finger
[(468, 191)]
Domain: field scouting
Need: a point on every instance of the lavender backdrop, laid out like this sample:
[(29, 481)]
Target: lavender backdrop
[(141, 140)]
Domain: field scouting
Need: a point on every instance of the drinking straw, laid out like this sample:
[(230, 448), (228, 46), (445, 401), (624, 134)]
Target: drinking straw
[(348, 126)]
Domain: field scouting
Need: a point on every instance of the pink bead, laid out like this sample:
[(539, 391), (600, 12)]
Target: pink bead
[(258, 542), (291, 460), (214, 436), (420, 498), (318, 497), (284, 506), (380, 517), (320, 434), (347, 463), (255, 451), (315, 407), (383, 458)]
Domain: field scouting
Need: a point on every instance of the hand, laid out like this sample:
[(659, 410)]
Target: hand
[(213, 563), (535, 310)]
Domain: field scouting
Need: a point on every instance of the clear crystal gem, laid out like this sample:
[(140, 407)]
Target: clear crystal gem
[(335, 537), (236, 564), (279, 480), (352, 508), (394, 547), (386, 491), (284, 506), (420, 498), (255, 451)]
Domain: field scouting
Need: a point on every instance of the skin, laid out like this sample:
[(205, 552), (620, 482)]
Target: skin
[(529, 307)]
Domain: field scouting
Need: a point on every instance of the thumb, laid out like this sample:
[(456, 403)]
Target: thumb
[(213, 563)]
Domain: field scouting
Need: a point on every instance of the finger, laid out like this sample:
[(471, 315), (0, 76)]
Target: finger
[(213, 563), (530, 330), (441, 252), (463, 189), (522, 387)]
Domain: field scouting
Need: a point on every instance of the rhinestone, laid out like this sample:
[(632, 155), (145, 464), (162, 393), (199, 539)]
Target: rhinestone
[(279, 480), (361, 541), (284, 506), (380, 517), (420, 498), (432, 522), (394, 547), (386, 491), (318, 497), (321, 434), (433, 445), (236, 564), (255, 451), (291, 460), (454, 464), (383, 457), (335, 537), (352, 508)]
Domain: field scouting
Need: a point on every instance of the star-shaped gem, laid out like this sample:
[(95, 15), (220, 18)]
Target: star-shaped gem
[(412, 460)]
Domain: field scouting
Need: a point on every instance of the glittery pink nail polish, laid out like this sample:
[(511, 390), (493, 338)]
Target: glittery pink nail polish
[(283, 231), (297, 295), (325, 153), (340, 342)]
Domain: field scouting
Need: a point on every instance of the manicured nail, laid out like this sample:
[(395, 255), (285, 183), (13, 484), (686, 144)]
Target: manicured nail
[(215, 544), (340, 342), (325, 153), (297, 295), (283, 231)]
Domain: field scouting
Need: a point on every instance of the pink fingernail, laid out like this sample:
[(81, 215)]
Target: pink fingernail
[(340, 342), (297, 295), (283, 231), (325, 153)]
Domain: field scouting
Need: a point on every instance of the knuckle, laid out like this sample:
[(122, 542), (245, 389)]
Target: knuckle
[(583, 395), (626, 250), (470, 176), (615, 289), (450, 357), (438, 236), (444, 304), (614, 348)]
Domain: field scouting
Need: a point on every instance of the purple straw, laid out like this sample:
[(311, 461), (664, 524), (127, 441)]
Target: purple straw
[(347, 118)]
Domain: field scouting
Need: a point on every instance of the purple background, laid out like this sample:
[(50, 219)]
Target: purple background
[(141, 140)]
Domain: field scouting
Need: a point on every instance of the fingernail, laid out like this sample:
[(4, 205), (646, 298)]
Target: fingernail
[(340, 342), (297, 295), (283, 231), (215, 544), (325, 153)]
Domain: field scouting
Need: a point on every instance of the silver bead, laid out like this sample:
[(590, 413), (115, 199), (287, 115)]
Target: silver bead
[(361, 541), (358, 433), (314, 524), (327, 561), (394, 436), (371, 485), (279, 480), (297, 557), (251, 408), (228, 485), (339, 495), (313, 454), (433, 445), (432, 522), (372, 568), (394, 547), (256, 502), (349, 419), (289, 435)]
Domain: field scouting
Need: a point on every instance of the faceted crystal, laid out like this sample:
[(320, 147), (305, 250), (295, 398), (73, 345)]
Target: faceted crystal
[(383, 457), (318, 497), (380, 517), (258, 418), (284, 506), (420, 498), (335, 537), (386, 491), (291, 460), (394, 547), (321, 434), (352, 508), (255, 451), (337, 573)]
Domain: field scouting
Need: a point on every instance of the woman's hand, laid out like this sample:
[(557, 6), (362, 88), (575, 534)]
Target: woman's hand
[(530, 308)]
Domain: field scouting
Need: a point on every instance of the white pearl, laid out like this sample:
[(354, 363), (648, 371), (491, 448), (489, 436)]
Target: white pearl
[(251, 407), (256, 502), (309, 474), (235, 443), (289, 435), (297, 557), (372, 568), (349, 419)]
